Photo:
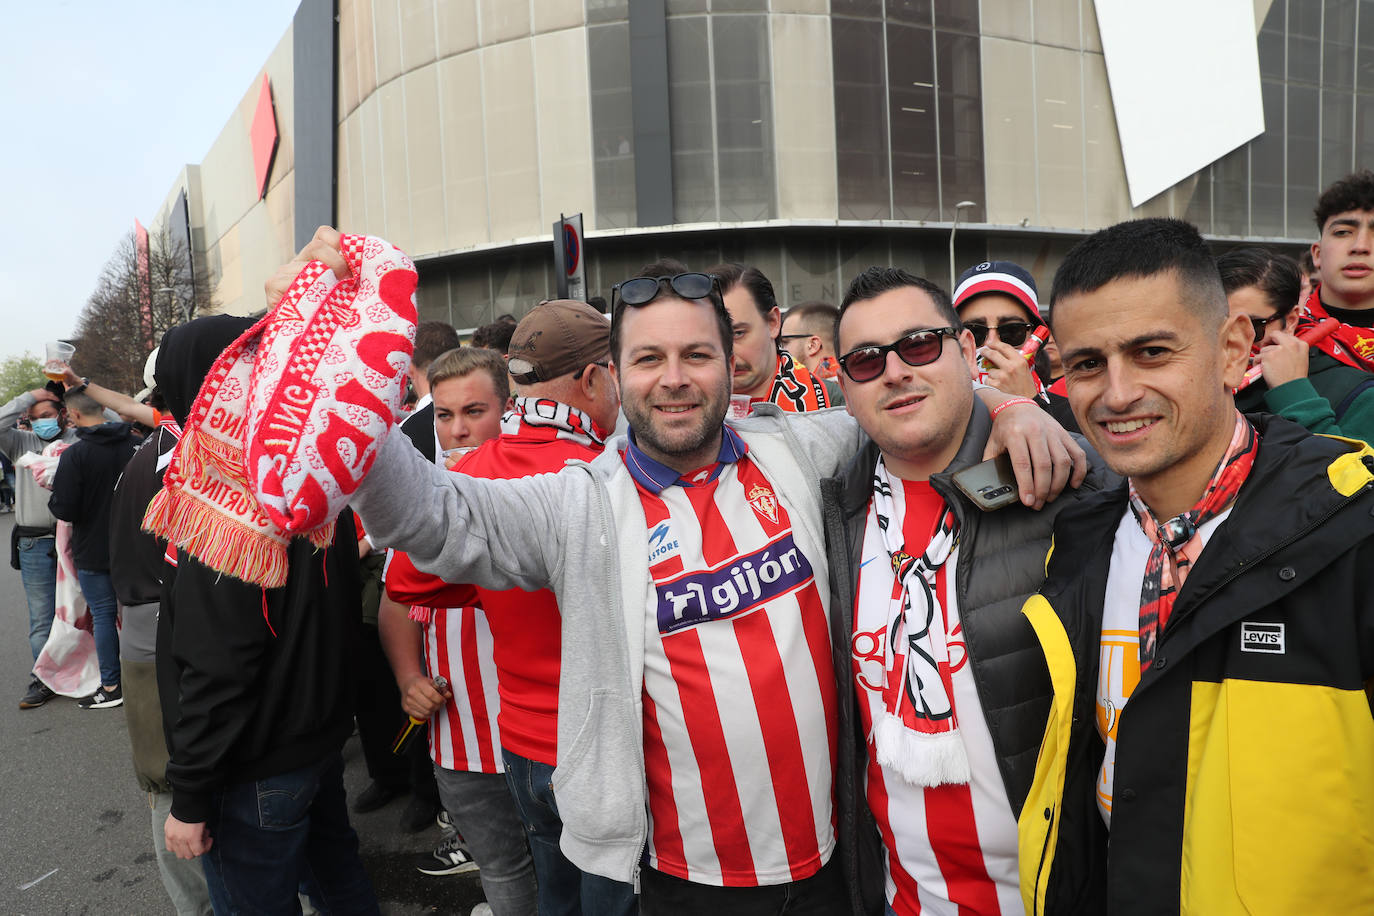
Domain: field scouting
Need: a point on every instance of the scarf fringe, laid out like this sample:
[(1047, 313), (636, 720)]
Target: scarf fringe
[(919, 758), (214, 540)]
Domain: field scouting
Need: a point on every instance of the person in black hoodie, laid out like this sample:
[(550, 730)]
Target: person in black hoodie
[(81, 493), (257, 701)]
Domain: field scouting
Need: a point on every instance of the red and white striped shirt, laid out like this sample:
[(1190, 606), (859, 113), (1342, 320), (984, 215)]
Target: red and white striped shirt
[(739, 694), (950, 850), (458, 646)]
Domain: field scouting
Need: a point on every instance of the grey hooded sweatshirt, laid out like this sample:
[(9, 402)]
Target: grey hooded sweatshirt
[(582, 532)]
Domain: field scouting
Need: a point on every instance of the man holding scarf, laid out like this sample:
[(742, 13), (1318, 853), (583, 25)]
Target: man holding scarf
[(1207, 625), (927, 591)]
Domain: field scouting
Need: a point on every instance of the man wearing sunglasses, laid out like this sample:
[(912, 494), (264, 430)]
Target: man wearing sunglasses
[(764, 371), (697, 705), (996, 301), (1300, 383), (926, 591)]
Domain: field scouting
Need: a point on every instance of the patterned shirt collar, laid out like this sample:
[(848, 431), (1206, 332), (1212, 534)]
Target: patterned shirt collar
[(656, 477)]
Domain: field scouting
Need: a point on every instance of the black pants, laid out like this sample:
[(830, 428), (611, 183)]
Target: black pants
[(822, 894)]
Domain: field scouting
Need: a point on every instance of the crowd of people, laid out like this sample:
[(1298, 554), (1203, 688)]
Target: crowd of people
[(928, 601)]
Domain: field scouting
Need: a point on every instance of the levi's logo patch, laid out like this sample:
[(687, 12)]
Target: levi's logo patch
[(1262, 637)]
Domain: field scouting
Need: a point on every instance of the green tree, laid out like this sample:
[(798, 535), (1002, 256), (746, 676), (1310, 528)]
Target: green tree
[(19, 374)]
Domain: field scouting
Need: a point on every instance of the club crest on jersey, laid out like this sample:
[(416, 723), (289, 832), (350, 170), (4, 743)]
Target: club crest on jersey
[(662, 543), (764, 502), (740, 585)]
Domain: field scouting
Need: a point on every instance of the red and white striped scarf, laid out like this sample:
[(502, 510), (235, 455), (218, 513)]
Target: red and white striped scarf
[(918, 734)]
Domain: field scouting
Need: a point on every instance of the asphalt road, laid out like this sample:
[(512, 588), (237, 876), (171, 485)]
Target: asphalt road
[(75, 829)]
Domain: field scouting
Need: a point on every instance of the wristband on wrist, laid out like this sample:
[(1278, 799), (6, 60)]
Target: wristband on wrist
[(77, 389), (1005, 404)]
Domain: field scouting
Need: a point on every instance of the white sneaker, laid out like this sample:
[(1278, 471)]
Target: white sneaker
[(481, 909)]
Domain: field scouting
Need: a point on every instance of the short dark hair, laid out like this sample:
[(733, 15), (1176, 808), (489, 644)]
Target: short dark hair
[(1142, 248), (734, 274), (668, 267), (817, 317), (1305, 263), (1353, 192), (431, 339), (1273, 274), (462, 361), (875, 281), (82, 403), (495, 336)]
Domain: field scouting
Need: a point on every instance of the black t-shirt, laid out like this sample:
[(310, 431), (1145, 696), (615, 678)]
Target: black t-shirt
[(1359, 318)]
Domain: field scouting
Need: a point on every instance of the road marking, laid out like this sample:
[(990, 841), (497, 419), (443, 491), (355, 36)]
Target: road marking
[(24, 887)]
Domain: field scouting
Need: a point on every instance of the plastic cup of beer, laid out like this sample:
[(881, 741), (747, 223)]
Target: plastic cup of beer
[(60, 355)]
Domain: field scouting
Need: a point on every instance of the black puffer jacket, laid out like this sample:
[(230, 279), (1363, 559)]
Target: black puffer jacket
[(1001, 563)]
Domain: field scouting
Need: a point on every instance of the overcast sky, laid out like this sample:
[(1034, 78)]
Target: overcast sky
[(103, 103)]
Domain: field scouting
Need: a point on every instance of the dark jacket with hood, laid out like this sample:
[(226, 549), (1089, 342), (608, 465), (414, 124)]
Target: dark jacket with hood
[(1001, 562), (254, 682), (84, 485), (1244, 770)]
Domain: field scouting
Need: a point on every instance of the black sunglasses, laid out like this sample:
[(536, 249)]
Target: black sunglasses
[(643, 290), (919, 348), (1259, 324), (1011, 333)]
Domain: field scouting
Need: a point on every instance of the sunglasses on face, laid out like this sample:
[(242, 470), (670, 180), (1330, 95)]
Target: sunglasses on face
[(1260, 324), (919, 348), (1011, 333), (643, 290)]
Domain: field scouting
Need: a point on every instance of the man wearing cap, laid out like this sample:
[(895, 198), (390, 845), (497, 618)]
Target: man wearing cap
[(567, 406), (998, 302), (697, 718)]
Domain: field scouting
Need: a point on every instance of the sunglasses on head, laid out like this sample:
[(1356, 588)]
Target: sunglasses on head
[(643, 290), (1011, 333), (919, 348)]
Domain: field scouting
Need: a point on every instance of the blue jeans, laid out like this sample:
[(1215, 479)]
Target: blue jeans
[(99, 593), (564, 889), (278, 834), (480, 805), (38, 569)]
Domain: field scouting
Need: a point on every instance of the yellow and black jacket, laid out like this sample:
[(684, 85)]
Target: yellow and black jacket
[(1244, 779)]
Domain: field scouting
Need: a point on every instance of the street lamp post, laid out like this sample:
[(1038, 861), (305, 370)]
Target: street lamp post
[(959, 207)]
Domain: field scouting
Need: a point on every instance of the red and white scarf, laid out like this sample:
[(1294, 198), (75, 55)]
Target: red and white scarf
[(1176, 544), (1351, 345), (559, 420), (917, 736), (291, 416)]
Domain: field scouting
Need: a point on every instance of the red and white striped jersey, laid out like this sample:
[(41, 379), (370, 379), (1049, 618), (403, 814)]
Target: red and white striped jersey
[(457, 645), (739, 693), (949, 850)]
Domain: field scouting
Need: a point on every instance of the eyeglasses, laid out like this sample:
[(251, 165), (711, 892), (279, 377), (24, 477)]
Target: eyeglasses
[(643, 290), (784, 338), (919, 348), (577, 376), (1259, 324), (1011, 333)]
